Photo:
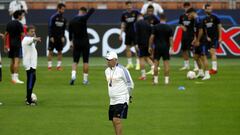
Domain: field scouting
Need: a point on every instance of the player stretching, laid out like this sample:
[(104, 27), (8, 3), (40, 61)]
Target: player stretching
[(162, 37)]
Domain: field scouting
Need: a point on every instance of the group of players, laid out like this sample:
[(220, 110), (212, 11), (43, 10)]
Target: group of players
[(154, 39), (151, 37)]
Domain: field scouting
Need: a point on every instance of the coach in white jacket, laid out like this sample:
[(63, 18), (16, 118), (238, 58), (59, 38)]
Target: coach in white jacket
[(30, 60), (120, 85)]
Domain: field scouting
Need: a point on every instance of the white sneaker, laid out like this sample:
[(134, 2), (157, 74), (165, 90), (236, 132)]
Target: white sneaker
[(19, 81), (150, 72), (184, 68), (206, 77), (200, 75), (129, 66), (137, 67), (195, 69), (166, 82)]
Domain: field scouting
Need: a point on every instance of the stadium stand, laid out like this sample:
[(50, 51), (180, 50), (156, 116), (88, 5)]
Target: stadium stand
[(120, 4)]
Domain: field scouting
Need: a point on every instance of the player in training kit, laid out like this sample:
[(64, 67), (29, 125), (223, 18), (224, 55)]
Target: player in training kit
[(200, 46), (212, 26), (187, 25), (150, 17), (162, 37), (120, 87), (30, 60), (14, 31), (128, 20), (143, 32), (57, 25), (79, 39), (2, 36)]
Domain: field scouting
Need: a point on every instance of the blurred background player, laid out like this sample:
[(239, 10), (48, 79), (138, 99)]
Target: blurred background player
[(162, 37), (212, 25), (143, 32), (30, 60), (57, 26), (79, 39), (18, 5), (15, 31), (197, 49), (128, 20), (1, 36), (120, 85), (201, 47), (157, 9), (187, 25)]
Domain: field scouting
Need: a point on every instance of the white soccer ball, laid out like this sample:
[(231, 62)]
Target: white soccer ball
[(34, 97), (191, 75)]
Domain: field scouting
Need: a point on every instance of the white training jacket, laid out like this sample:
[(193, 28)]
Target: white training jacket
[(29, 53), (122, 84), (157, 8)]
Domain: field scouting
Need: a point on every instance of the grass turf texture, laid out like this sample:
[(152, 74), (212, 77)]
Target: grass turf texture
[(208, 108)]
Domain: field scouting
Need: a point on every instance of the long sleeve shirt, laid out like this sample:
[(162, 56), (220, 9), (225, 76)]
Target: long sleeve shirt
[(29, 53), (120, 84)]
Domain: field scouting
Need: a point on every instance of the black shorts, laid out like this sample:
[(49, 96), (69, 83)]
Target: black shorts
[(81, 48), (15, 52), (143, 51), (130, 39), (214, 44), (161, 52), (58, 44), (202, 49), (118, 111), (186, 44)]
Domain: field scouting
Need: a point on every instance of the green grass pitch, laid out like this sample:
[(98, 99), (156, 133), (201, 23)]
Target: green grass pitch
[(204, 108)]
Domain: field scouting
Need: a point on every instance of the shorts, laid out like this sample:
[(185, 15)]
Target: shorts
[(143, 51), (15, 52), (202, 49), (161, 52), (186, 44), (130, 39), (214, 44), (81, 49), (118, 111), (58, 44)]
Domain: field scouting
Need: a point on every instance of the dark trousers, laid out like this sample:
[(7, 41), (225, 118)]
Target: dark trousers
[(31, 78)]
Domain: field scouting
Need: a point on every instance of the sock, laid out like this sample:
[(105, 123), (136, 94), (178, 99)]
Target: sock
[(195, 64), (186, 63), (14, 76), (137, 61), (214, 65), (155, 79), (166, 79), (143, 73), (85, 76), (200, 71), (59, 63), (129, 60), (17, 76), (73, 75), (49, 63), (0, 72)]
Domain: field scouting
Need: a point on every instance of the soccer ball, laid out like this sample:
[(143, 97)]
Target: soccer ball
[(34, 97), (191, 75)]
